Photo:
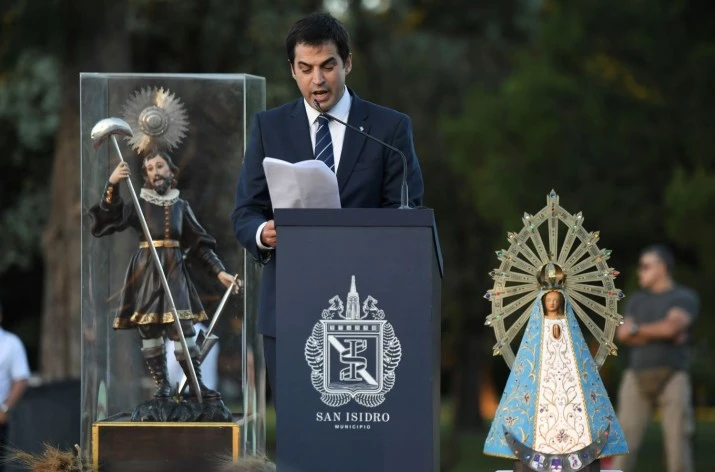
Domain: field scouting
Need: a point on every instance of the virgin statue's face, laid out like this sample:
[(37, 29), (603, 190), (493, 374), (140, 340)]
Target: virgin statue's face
[(553, 303)]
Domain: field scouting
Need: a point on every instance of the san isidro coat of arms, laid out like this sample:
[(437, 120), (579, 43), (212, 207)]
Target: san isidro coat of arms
[(353, 356)]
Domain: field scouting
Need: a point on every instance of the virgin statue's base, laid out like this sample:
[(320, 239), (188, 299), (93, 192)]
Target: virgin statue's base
[(593, 467)]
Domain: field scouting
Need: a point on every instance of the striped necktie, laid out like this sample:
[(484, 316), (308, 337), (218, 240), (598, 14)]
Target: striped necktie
[(324, 143)]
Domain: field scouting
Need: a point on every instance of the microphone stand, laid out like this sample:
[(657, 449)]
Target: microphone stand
[(404, 193)]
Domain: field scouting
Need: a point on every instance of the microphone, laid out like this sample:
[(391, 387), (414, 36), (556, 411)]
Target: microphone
[(404, 194)]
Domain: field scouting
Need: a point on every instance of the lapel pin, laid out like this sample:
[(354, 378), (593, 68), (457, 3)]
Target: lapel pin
[(362, 129)]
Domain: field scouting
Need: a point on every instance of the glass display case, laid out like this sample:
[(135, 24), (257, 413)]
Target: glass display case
[(202, 122)]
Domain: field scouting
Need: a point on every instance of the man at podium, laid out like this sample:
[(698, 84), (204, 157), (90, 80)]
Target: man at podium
[(369, 171)]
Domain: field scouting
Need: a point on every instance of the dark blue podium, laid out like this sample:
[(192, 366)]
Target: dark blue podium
[(358, 340)]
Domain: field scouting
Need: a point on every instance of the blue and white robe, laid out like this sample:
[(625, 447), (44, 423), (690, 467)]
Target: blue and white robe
[(554, 401)]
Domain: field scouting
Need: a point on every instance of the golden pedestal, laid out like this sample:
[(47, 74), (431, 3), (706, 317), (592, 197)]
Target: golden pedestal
[(124, 446)]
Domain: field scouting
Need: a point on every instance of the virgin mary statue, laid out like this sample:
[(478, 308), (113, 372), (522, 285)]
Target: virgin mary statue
[(554, 414)]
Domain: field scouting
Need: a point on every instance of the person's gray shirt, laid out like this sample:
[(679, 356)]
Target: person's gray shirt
[(647, 307)]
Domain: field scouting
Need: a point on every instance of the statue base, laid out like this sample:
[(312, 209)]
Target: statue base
[(182, 410), (593, 467), (120, 445)]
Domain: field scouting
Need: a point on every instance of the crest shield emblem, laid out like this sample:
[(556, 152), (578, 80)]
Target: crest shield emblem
[(575, 461), (537, 461), (353, 356)]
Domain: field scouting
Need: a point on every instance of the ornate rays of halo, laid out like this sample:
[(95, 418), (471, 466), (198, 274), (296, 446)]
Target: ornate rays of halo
[(588, 281), (157, 118)]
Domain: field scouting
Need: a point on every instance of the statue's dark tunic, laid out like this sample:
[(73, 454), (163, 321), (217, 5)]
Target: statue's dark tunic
[(174, 229)]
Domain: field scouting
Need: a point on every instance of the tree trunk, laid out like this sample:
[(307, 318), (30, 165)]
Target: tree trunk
[(96, 40)]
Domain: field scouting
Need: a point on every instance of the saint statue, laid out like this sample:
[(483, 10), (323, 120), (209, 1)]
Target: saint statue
[(554, 414)]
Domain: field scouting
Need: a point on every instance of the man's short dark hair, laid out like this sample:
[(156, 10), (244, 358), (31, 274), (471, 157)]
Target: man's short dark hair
[(316, 29), (663, 253)]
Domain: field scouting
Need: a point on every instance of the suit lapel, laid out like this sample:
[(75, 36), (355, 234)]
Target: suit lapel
[(354, 141), (299, 131)]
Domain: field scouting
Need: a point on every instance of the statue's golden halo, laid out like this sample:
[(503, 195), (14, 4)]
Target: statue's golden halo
[(158, 120), (574, 264)]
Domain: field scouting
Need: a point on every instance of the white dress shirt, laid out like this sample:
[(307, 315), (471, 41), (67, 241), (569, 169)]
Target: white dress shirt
[(13, 363), (341, 111)]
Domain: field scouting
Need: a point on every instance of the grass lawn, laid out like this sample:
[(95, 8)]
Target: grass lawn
[(468, 457)]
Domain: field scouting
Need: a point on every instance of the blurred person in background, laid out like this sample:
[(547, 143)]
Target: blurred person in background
[(14, 373), (657, 329)]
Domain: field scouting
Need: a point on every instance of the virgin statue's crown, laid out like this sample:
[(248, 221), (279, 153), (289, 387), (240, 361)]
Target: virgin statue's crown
[(551, 276)]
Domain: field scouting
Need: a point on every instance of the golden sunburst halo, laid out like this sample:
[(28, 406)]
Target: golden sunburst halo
[(588, 281), (158, 120)]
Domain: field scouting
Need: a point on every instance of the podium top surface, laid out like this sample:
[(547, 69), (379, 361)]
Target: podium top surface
[(363, 217), (355, 217)]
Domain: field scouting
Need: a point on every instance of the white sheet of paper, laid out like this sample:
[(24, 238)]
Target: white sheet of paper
[(305, 184)]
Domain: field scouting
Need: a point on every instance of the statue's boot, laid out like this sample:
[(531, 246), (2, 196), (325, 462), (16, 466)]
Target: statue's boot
[(206, 393), (156, 362)]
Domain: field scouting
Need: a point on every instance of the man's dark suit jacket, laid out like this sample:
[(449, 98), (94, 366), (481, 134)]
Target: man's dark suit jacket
[(369, 175)]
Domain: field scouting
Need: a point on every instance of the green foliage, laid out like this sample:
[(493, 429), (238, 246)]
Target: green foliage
[(22, 226), (590, 111), (690, 200), (690, 203), (216, 36), (29, 102), (604, 105), (28, 25), (29, 107)]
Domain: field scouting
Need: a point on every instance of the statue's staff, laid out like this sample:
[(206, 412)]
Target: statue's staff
[(109, 128), (206, 342)]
